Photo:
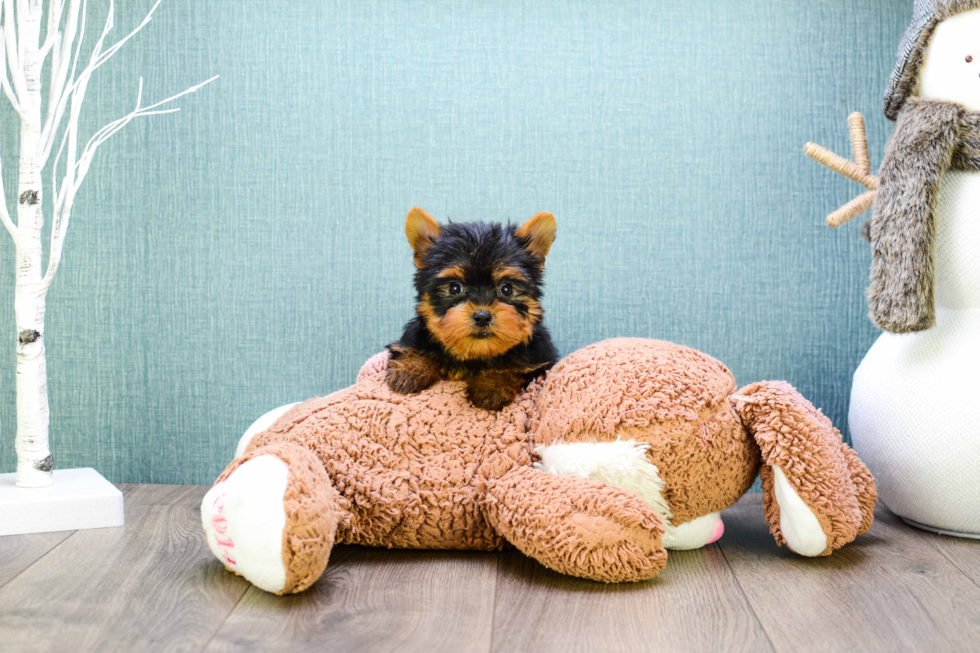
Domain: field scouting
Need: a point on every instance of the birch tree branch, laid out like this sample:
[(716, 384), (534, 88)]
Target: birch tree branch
[(52, 35), (51, 124), (7, 222), (74, 177), (4, 82), (97, 59), (4, 215), (113, 127), (60, 62), (115, 47), (55, 7), (21, 15), (77, 95), (57, 105), (17, 81)]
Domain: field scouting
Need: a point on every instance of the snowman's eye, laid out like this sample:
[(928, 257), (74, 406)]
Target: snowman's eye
[(969, 58)]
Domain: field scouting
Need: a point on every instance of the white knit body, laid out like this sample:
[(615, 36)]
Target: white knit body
[(915, 402)]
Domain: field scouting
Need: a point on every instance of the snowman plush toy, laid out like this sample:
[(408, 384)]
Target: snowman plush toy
[(913, 415)]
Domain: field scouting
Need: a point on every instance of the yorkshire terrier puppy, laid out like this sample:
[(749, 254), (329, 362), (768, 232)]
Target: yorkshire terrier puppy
[(479, 308)]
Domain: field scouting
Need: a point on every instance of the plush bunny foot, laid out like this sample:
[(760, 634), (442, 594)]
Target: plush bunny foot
[(625, 464), (577, 526), (271, 517), (818, 495), (244, 518), (694, 534)]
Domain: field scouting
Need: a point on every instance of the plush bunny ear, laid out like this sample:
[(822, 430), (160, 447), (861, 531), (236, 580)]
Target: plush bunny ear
[(421, 229), (540, 232), (901, 295)]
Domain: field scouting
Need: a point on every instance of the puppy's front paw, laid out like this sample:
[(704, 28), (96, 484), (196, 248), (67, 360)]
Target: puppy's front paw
[(493, 390), (411, 372)]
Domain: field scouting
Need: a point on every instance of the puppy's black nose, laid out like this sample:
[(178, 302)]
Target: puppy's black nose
[(482, 318)]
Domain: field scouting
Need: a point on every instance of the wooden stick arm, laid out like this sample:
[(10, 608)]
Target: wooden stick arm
[(841, 166), (859, 170), (851, 210), (859, 142)]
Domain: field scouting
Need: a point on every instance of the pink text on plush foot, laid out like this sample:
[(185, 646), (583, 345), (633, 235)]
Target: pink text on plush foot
[(220, 525)]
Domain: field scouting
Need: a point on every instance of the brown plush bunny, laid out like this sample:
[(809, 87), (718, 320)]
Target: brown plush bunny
[(625, 449)]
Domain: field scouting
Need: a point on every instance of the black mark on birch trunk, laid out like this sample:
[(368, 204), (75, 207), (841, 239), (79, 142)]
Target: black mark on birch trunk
[(27, 336), (29, 197), (45, 465)]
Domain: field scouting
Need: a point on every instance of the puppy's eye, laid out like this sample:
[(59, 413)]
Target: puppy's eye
[(506, 290), (455, 288)]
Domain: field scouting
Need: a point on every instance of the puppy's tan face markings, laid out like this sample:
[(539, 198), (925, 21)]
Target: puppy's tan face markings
[(457, 272), (466, 340), (508, 273)]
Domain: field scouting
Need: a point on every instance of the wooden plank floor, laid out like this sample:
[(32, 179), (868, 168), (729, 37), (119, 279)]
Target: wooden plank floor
[(154, 586)]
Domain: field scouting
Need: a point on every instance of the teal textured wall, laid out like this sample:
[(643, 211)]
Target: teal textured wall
[(248, 251)]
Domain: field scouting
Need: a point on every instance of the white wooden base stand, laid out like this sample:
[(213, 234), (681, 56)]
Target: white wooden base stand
[(76, 499)]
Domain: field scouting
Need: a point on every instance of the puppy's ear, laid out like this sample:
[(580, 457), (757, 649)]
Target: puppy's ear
[(421, 229), (540, 233)]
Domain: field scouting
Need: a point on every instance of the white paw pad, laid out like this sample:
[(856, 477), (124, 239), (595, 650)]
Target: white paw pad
[(243, 519), (799, 525)]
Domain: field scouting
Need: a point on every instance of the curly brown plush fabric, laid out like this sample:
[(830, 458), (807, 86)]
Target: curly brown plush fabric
[(825, 473), (864, 485), (405, 466), (369, 466), (577, 526), (675, 398), (930, 138)]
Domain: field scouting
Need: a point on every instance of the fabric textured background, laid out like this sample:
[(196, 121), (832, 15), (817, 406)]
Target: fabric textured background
[(248, 251)]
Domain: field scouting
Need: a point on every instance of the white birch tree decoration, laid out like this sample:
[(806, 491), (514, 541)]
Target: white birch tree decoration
[(43, 113)]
